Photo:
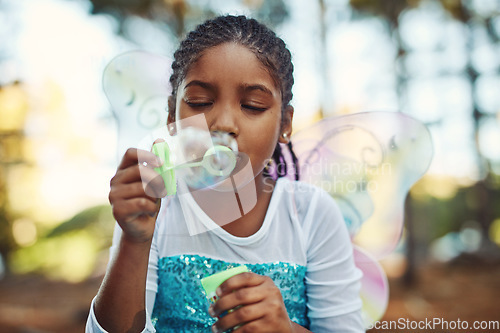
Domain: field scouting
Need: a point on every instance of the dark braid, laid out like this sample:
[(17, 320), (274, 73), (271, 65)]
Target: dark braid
[(295, 161), (263, 42)]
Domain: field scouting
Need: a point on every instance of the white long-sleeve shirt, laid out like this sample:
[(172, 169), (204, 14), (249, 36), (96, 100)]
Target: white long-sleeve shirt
[(303, 239)]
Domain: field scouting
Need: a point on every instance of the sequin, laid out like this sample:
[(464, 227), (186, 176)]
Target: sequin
[(181, 304)]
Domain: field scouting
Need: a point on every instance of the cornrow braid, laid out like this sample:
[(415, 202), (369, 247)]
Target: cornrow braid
[(269, 49)]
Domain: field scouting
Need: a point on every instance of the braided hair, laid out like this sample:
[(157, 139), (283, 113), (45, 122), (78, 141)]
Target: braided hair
[(269, 49)]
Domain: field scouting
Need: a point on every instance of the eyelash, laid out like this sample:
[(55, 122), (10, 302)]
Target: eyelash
[(204, 105), (253, 108), (198, 105)]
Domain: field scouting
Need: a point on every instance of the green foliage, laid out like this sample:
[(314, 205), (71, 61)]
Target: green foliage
[(71, 256), (70, 250), (389, 9), (180, 16), (272, 13), (96, 219), (434, 218)]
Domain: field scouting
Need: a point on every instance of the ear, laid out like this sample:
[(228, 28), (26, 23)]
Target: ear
[(171, 116), (286, 125)]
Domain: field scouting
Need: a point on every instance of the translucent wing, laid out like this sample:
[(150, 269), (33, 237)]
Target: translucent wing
[(137, 86), (374, 287), (367, 162)]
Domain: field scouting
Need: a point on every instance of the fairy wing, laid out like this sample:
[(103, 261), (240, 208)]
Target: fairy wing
[(367, 162), (374, 291), (137, 86)]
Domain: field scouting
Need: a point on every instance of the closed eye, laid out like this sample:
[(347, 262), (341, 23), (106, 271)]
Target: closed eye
[(199, 105), (253, 108)]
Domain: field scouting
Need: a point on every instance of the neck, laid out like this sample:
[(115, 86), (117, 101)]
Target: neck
[(252, 221), (248, 215)]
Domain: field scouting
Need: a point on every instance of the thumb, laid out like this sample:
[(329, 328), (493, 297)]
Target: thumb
[(164, 183), (157, 141)]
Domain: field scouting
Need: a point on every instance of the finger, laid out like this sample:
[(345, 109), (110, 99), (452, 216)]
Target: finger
[(128, 159), (152, 183), (253, 326), (157, 141), (148, 158), (129, 191), (160, 158), (138, 156), (135, 173), (155, 187), (247, 279), (125, 209), (241, 316), (243, 296)]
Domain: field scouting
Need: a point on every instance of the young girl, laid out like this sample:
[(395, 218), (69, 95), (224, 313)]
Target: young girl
[(239, 75)]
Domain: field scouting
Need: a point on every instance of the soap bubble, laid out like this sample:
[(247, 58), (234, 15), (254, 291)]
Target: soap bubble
[(210, 159)]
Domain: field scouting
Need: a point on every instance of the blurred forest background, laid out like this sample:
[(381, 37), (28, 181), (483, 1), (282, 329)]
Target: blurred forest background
[(436, 60)]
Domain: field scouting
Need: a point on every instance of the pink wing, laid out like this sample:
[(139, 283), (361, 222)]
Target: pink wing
[(367, 162), (374, 287)]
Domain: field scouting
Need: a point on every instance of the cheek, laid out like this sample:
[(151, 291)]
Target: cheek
[(273, 126), (186, 117), (267, 134)]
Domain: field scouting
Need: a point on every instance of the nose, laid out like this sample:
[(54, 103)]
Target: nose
[(224, 119)]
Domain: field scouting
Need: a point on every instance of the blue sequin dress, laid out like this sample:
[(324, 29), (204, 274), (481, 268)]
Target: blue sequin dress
[(181, 304)]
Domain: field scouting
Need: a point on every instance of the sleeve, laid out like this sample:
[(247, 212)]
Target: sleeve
[(332, 280), (93, 325)]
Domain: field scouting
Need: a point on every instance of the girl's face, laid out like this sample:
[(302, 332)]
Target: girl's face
[(235, 92)]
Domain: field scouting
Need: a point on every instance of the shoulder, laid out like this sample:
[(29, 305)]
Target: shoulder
[(309, 199), (315, 211), (323, 229), (302, 190)]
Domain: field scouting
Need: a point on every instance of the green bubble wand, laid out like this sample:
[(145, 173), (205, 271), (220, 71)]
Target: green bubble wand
[(208, 162)]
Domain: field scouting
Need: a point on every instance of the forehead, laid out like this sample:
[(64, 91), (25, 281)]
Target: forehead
[(231, 63)]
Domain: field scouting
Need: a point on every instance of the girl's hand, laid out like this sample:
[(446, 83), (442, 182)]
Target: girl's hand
[(134, 192), (262, 308)]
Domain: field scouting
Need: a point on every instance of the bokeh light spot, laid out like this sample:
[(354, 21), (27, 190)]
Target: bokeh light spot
[(24, 232)]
